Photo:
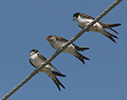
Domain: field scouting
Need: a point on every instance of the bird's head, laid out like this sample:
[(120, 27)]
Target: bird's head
[(75, 16), (51, 38), (33, 51)]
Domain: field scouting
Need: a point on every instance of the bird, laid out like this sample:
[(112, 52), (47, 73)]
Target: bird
[(84, 20), (57, 42), (37, 59)]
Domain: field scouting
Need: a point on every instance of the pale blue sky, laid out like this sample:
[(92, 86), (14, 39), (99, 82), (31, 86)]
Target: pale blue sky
[(24, 25)]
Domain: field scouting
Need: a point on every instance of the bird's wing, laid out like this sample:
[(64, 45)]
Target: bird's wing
[(87, 16), (44, 59), (32, 63), (61, 39)]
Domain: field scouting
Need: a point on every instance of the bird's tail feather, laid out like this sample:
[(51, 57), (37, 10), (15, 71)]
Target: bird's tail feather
[(113, 25), (110, 36), (81, 57), (57, 82), (113, 30), (58, 74), (82, 48)]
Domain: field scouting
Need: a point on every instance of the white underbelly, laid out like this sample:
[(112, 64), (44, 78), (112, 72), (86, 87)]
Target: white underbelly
[(95, 27), (69, 49), (83, 23), (45, 69), (36, 61)]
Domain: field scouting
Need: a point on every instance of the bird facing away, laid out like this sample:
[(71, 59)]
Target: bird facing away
[(57, 42), (37, 59), (84, 20)]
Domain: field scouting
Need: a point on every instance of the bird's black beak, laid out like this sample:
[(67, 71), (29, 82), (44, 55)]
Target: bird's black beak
[(74, 18)]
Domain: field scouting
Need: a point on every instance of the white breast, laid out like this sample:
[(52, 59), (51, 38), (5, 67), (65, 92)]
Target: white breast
[(58, 44), (82, 21), (36, 61)]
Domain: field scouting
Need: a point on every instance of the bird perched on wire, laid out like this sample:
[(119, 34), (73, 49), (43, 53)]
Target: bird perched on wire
[(84, 20), (57, 42), (37, 59)]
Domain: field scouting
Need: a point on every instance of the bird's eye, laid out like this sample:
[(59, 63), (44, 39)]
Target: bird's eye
[(49, 36), (76, 15)]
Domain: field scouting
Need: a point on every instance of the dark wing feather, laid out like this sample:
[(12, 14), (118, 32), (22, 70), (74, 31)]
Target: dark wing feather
[(55, 68), (80, 48), (110, 26), (61, 39), (44, 59), (113, 30), (58, 74), (57, 82), (87, 16)]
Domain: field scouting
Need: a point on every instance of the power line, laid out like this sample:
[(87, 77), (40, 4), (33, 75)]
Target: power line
[(60, 50)]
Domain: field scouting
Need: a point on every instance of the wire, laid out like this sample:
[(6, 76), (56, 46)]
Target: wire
[(60, 50)]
